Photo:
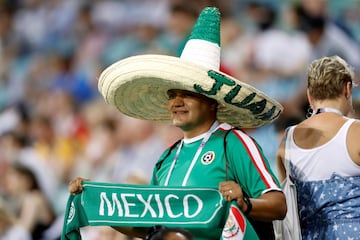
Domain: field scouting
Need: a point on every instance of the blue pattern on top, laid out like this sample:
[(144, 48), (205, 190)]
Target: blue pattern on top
[(330, 209)]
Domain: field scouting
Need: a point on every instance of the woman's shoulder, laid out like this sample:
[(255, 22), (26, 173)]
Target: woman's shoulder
[(353, 138), (317, 130)]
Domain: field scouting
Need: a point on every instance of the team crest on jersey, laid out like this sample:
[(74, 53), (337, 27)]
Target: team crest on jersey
[(208, 157)]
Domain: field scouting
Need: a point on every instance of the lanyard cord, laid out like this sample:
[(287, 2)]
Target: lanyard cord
[(326, 109), (173, 163), (200, 148)]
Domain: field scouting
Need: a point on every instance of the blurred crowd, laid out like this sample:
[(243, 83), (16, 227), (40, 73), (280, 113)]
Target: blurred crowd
[(55, 126)]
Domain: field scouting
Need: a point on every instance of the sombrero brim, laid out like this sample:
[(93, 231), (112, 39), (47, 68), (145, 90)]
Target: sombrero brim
[(138, 87)]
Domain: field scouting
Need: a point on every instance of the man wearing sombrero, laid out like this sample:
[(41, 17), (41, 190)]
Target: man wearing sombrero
[(210, 108)]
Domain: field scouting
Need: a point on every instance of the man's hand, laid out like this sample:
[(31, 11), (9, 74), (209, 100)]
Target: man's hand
[(232, 191), (75, 186)]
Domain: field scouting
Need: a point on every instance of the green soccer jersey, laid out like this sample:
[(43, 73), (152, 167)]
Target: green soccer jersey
[(244, 163)]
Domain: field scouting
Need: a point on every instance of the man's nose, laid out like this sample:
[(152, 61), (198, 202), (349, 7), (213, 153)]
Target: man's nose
[(178, 100)]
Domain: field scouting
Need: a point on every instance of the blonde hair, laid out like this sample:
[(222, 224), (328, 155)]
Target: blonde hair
[(327, 77)]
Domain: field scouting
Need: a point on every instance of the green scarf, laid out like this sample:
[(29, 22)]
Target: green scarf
[(107, 204)]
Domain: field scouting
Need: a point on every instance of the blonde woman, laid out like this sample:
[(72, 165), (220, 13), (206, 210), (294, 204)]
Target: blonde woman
[(324, 155)]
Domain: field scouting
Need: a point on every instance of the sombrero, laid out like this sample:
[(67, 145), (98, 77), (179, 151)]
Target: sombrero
[(138, 85)]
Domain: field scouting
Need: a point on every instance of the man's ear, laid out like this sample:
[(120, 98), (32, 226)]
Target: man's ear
[(214, 106)]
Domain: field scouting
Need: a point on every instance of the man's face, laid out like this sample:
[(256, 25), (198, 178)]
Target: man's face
[(190, 110)]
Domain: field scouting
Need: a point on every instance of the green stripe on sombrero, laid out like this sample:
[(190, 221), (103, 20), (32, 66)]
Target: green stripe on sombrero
[(207, 26)]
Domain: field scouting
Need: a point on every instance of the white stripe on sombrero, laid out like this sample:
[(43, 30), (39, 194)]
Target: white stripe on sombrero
[(203, 53), (258, 160)]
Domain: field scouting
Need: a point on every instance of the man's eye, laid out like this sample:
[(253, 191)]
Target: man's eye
[(171, 96), (188, 94), (181, 94)]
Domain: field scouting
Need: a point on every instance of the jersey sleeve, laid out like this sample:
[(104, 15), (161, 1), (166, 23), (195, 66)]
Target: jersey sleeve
[(249, 166)]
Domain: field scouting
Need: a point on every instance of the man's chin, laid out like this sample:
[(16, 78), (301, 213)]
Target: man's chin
[(179, 124)]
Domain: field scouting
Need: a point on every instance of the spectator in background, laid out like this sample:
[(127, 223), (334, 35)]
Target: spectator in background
[(101, 149), (16, 147), (324, 155), (325, 37), (54, 149), (103, 233), (91, 39), (348, 15), (9, 228), (139, 148), (356, 111), (182, 15), (67, 78), (32, 208), (165, 233), (277, 58)]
